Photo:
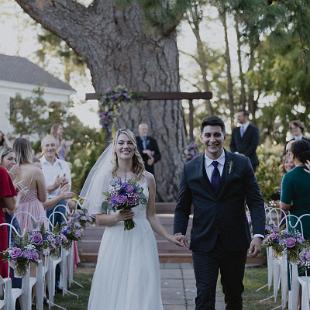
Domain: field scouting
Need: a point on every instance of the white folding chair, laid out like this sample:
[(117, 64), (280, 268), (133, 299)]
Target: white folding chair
[(296, 280), (5, 292), (276, 266), (28, 282), (13, 293)]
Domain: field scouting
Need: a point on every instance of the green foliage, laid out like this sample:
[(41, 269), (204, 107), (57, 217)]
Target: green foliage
[(34, 117), (53, 46), (269, 172)]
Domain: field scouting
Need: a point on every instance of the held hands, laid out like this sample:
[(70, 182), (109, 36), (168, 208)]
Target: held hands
[(255, 247), (175, 239), (181, 240)]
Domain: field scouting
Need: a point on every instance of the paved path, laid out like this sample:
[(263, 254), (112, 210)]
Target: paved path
[(178, 288)]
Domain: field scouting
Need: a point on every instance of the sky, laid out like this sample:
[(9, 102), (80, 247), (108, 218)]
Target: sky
[(18, 34)]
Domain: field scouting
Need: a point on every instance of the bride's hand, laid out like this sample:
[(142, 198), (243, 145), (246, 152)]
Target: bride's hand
[(124, 215), (174, 239)]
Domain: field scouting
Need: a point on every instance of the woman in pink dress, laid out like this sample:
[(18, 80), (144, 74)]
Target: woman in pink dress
[(31, 188)]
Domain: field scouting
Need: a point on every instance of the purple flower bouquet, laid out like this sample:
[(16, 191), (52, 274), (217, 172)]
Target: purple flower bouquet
[(124, 196), (21, 255)]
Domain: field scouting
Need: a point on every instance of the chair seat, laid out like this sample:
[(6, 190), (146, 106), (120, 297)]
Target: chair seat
[(16, 293), (33, 281), (2, 304), (56, 261)]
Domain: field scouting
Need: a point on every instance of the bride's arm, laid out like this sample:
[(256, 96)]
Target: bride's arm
[(112, 219), (151, 212)]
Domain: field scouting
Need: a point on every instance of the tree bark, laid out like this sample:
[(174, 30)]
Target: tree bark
[(230, 86), (119, 50), (194, 20), (241, 74)]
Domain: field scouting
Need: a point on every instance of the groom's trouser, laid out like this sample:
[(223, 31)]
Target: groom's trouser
[(207, 266)]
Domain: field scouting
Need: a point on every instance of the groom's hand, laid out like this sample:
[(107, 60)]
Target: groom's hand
[(182, 239), (255, 246)]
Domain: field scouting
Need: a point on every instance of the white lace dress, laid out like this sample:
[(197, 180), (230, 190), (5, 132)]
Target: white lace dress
[(127, 275)]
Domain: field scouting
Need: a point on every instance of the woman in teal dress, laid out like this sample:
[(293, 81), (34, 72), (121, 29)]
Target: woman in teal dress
[(295, 190)]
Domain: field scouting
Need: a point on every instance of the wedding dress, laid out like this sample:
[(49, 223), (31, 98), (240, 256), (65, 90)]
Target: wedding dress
[(127, 275)]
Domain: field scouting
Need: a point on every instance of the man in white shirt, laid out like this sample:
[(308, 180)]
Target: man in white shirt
[(57, 177)]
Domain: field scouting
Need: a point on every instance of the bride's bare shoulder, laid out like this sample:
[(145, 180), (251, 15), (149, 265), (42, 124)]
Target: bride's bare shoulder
[(149, 177)]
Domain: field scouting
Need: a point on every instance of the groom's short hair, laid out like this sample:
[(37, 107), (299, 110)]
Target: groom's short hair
[(212, 121)]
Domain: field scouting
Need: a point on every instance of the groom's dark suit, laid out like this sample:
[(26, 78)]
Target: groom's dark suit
[(220, 235)]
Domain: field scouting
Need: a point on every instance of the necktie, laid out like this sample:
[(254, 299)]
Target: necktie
[(215, 177), (144, 143), (241, 131)]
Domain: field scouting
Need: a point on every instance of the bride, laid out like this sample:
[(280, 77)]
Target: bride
[(127, 275)]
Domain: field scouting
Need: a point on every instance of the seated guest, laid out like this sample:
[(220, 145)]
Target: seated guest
[(57, 178), (31, 188), (295, 194), (148, 148)]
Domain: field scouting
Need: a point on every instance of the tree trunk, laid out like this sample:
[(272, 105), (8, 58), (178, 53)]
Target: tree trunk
[(119, 50), (241, 74), (230, 86), (194, 20)]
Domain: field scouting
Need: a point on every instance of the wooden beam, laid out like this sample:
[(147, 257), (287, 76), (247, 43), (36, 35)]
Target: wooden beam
[(163, 96)]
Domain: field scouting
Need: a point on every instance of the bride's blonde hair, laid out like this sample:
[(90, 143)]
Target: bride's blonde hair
[(137, 161)]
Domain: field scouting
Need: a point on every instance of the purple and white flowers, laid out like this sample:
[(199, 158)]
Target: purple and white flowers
[(289, 242), (21, 255), (123, 195)]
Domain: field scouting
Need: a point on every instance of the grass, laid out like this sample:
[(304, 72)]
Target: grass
[(254, 279)]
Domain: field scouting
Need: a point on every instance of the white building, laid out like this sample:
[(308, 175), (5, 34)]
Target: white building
[(20, 76)]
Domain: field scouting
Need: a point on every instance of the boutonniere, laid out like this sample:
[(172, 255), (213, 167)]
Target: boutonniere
[(231, 164)]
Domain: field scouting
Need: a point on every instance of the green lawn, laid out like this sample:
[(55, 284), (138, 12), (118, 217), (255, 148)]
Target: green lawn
[(254, 278)]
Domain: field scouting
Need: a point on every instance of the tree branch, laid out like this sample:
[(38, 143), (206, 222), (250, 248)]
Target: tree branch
[(64, 18)]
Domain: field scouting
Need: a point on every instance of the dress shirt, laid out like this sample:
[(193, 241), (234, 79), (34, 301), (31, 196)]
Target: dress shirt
[(209, 169), (245, 127), (52, 170), (297, 138)]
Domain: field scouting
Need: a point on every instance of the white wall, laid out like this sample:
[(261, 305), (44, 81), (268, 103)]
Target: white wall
[(10, 89)]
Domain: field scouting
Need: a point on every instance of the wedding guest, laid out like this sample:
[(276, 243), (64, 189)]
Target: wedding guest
[(63, 146), (295, 194), (287, 165), (31, 187), (4, 141), (7, 201), (8, 161), (245, 138), (297, 129), (57, 178), (7, 157), (148, 148)]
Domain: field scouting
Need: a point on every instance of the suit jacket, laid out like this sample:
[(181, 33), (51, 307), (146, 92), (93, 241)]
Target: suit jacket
[(246, 145), (222, 216), (151, 144)]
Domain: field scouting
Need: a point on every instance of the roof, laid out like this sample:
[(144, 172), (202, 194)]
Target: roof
[(21, 70)]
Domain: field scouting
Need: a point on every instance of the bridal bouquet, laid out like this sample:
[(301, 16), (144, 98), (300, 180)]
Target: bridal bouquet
[(124, 196)]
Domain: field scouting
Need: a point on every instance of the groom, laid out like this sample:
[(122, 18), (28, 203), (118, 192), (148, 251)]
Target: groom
[(219, 184)]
